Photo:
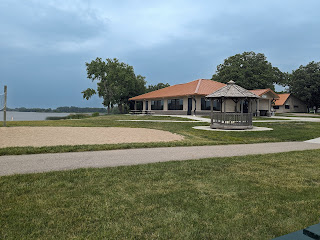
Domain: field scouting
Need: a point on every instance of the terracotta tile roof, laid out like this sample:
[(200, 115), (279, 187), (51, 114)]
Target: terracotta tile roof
[(197, 87), (282, 99), (260, 92)]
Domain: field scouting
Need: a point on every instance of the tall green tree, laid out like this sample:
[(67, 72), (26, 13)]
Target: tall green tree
[(305, 84), (158, 86), (249, 70), (116, 82)]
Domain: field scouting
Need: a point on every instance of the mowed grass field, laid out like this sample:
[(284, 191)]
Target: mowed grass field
[(250, 197), (283, 131)]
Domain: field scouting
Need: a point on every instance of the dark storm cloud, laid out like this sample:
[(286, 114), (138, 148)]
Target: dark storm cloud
[(35, 26), (44, 44)]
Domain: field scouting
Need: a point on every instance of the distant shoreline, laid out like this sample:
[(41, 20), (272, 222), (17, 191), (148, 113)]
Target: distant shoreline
[(31, 116), (71, 109)]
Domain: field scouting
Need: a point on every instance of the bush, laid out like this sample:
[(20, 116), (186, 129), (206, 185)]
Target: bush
[(71, 116), (115, 110), (95, 114)]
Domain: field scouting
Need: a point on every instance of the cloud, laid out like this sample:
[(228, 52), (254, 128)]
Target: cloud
[(173, 41), (47, 27)]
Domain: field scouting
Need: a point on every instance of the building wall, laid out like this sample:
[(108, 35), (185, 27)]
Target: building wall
[(185, 104), (261, 106), (230, 106), (292, 101), (165, 110), (280, 110), (264, 104)]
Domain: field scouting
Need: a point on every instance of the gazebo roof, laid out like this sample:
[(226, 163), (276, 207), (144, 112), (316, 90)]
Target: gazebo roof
[(232, 90)]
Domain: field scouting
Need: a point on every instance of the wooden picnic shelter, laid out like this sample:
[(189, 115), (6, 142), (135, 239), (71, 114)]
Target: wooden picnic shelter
[(236, 107)]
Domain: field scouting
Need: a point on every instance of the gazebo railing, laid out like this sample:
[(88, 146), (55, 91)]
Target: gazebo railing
[(236, 119)]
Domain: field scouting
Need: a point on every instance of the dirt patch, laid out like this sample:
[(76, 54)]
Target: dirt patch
[(54, 136)]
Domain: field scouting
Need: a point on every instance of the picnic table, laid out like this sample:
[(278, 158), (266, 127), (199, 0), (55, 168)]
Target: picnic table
[(141, 112)]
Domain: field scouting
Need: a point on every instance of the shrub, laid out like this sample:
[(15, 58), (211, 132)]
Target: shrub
[(70, 116)]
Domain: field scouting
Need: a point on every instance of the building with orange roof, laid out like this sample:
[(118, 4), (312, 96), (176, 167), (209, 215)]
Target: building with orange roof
[(263, 105), (287, 102), (190, 98), (186, 98)]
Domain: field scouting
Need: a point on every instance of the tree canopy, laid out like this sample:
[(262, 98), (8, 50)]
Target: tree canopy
[(249, 70), (305, 84), (158, 86), (116, 82)]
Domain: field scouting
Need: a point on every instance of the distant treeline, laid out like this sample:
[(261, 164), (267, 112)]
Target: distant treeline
[(71, 109)]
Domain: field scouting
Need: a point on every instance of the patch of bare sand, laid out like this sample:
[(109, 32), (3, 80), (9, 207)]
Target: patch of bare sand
[(54, 136)]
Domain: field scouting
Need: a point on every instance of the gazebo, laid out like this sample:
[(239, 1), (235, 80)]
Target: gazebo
[(235, 105)]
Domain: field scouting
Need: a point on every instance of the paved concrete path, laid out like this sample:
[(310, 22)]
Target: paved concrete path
[(315, 140), (278, 119), (66, 161), (291, 119), (149, 120)]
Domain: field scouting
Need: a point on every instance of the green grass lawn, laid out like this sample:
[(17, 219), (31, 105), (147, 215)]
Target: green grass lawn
[(250, 197), (268, 118), (283, 131)]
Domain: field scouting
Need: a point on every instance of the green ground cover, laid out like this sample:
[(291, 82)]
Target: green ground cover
[(283, 131), (71, 116), (268, 118), (248, 197)]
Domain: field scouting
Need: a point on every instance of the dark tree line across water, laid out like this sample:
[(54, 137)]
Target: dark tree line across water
[(71, 109)]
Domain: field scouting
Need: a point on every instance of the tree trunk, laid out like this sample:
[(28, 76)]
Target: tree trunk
[(108, 109), (120, 108)]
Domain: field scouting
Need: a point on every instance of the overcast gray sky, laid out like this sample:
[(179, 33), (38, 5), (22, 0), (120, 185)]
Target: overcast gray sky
[(44, 44)]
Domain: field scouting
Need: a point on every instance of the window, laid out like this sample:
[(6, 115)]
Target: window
[(157, 105), (216, 105), (295, 106), (139, 105), (287, 106), (205, 104), (175, 104), (275, 107)]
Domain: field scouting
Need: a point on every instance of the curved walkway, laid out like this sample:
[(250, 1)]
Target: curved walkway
[(208, 120), (66, 161)]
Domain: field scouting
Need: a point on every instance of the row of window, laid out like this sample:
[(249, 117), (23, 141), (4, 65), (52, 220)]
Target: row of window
[(205, 104), (177, 104), (173, 104), (157, 105), (286, 106)]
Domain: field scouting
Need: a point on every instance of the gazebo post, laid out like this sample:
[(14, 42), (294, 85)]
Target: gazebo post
[(135, 105), (242, 106)]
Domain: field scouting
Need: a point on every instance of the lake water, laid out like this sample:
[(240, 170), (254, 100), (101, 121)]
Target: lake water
[(30, 116)]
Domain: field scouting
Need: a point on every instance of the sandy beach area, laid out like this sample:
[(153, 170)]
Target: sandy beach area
[(54, 136)]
